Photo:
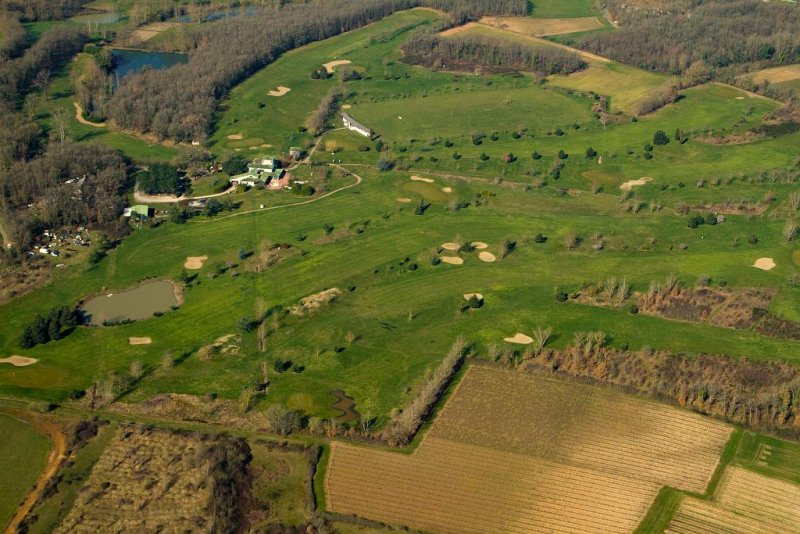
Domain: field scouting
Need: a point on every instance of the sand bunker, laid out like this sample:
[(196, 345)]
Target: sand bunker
[(451, 246), (139, 340), (195, 262), (420, 179), (452, 260), (487, 257), (331, 65), (235, 137), (280, 91), (404, 200), (630, 184), (80, 119), (447, 189), (470, 295), (765, 264), (520, 339), (479, 245), (19, 361), (346, 106)]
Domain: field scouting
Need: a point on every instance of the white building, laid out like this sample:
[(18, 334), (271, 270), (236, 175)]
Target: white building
[(351, 124)]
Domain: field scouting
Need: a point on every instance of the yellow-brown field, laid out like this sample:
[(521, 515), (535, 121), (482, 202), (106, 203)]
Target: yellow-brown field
[(782, 74), (746, 502), (516, 453), (542, 27)]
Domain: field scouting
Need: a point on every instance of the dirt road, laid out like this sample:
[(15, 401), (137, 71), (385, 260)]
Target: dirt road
[(54, 461)]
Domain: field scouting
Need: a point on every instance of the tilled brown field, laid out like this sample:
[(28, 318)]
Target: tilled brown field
[(542, 27), (747, 502), (516, 453)]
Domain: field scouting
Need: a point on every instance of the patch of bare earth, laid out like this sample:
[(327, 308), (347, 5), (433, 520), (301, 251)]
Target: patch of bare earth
[(630, 184), (330, 66), (316, 301), (517, 453), (765, 264), (139, 340), (541, 27)]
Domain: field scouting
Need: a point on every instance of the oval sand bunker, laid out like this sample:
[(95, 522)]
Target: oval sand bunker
[(421, 179), (195, 262), (479, 245), (19, 361), (765, 264), (451, 246), (520, 339), (452, 260), (487, 257)]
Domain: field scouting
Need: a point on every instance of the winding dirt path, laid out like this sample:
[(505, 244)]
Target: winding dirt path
[(304, 202), (54, 461), (80, 119)]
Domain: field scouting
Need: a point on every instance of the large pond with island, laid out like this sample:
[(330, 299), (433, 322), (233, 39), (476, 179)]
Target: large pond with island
[(140, 302)]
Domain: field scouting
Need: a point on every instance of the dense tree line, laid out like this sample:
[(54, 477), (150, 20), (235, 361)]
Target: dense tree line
[(179, 103), (160, 179), (467, 52), (317, 120), (759, 394), (49, 328), (465, 10), (55, 47), (32, 10), (68, 184), (12, 37), (711, 38)]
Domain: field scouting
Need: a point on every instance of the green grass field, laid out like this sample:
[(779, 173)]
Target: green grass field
[(23, 454), (404, 317), (556, 9)]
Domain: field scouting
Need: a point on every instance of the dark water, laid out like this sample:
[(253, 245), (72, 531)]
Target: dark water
[(130, 61), (138, 303), (346, 405)]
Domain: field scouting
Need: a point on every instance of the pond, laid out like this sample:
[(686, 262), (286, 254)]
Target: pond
[(130, 61), (140, 302)]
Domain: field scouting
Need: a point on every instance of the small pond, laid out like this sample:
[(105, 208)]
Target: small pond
[(130, 61), (140, 302)]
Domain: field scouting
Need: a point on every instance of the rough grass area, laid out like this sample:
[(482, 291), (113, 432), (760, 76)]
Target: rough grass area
[(562, 8), (23, 455), (149, 480), (518, 451)]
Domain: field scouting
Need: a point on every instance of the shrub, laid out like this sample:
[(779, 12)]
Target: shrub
[(752, 239), (696, 220), (590, 153), (484, 156), (384, 165), (234, 165), (561, 295), (536, 155), (660, 138)]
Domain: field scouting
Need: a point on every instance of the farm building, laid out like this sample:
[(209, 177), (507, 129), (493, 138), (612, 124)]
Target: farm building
[(351, 124), (139, 211), (261, 171)]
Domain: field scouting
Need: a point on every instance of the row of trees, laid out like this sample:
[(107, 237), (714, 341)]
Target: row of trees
[(701, 39), (49, 328), (14, 38), (33, 10), (429, 49), (33, 69), (465, 10), (759, 394), (405, 424)]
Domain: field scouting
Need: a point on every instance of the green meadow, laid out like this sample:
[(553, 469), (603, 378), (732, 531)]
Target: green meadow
[(399, 312), (23, 454)]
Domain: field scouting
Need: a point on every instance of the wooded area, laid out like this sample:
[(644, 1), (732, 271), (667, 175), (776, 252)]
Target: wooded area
[(466, 53), (701, 39)]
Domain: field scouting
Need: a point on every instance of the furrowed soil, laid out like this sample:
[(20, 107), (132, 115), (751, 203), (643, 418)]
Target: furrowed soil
[(520, 453)]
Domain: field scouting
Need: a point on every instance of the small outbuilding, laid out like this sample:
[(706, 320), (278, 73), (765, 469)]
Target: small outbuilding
[(351, 124)]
